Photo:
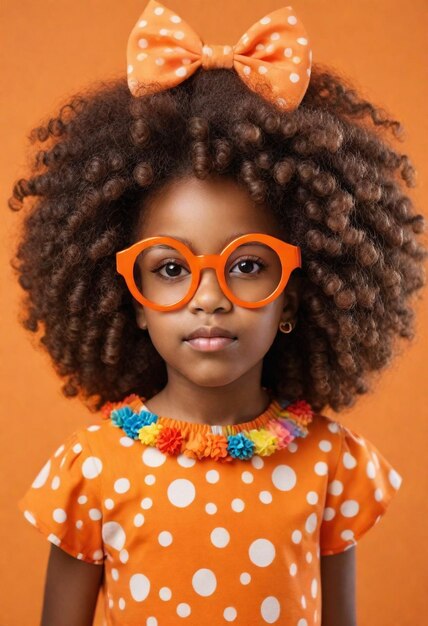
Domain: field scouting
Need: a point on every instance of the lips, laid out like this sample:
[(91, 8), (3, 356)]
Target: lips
[(210, 331)]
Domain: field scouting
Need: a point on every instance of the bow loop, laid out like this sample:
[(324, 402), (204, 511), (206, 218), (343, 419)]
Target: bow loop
[(163, 50)]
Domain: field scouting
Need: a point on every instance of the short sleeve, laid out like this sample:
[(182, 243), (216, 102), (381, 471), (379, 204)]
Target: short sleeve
[(358, 493), (64, 500)]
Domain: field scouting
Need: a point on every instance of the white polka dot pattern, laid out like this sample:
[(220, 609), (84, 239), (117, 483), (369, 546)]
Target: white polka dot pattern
[(182, 539), (163, 50), (357, 494), (64, 500)]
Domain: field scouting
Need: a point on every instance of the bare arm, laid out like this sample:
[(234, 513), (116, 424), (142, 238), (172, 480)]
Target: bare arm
[(71, 590), (338, 589)]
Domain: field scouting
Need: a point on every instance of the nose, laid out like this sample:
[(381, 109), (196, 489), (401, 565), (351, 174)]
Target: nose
[(209, 294)]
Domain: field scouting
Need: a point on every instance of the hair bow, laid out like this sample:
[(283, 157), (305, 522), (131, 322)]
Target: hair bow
[(163, 50)]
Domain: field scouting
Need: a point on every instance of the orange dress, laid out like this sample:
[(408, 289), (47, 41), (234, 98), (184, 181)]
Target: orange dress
[(186, 540)]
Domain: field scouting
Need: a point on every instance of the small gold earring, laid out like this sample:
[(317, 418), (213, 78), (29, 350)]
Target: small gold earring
[(283, 324)]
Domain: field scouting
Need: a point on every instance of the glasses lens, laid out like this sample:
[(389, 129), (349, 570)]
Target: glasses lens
[(162, 273)]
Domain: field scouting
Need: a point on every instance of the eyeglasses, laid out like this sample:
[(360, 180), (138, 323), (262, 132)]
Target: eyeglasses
[(162, 273)]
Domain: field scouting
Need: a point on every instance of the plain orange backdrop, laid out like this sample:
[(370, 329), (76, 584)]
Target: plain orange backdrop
[(51, 49)]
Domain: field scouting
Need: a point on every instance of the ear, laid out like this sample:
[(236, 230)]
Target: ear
[(140, 314), (292, 296)]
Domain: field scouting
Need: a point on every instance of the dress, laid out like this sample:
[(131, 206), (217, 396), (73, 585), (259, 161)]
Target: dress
[(197, 541)]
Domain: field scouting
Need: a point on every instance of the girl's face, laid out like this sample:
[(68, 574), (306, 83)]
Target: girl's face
[(208, 213)]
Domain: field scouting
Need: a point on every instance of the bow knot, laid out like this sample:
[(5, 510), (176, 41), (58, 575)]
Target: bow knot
[(163, 50), (216, 56)]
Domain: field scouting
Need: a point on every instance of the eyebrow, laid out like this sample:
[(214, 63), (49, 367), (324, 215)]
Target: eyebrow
[(189, 244)]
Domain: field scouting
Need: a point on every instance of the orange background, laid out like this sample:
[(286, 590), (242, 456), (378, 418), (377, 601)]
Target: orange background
[(51, 49)]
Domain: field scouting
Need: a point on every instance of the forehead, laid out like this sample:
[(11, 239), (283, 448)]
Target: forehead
[(206, 212)]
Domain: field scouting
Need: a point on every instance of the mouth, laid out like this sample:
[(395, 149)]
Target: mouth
[(210, 344)]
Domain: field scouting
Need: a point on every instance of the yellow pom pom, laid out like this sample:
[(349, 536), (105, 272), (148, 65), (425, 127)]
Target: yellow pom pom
[(149, 434), (264, 441)]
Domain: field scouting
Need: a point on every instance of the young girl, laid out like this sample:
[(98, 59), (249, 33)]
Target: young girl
[(221, 249)]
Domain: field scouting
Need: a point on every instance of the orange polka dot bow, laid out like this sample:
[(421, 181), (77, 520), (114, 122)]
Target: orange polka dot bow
[(273, 52)]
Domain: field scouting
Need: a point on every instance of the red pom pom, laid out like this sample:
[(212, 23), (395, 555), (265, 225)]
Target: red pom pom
[(169, 440)]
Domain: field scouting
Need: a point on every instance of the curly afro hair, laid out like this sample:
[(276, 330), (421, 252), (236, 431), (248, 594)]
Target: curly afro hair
[(325, 169)]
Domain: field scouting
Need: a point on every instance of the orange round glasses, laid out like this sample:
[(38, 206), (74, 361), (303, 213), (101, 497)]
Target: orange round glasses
[(142, 264)]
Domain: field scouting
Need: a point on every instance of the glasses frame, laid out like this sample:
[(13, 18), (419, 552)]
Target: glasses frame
[(289, 255)]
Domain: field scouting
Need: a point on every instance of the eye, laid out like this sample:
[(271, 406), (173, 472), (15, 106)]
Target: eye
[(246, 265), (173, 269)]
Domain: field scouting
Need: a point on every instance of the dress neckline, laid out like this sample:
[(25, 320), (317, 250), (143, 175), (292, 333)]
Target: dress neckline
[(279, 424)]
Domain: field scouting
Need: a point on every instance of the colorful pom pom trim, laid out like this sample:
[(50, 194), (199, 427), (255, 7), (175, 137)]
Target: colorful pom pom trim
[(273, 430)]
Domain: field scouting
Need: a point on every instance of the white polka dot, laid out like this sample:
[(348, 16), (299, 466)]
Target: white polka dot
[(95, 514), (247, 477), (93, 427), (260, 46), (349, 461), (204, 582), (296, 59), (165, 538), (152, 457), (335, 487), (395, 478), (257, 461), (59, 515), (262, 69), (127, 442), (261, 552), (164, 32), (270, 48), (139, 586), (321, 468), (311, 523), (121, 485), (60, 449), (212, 477), (79, 524), (312, 497), (150, 479), (176, 19), (220, 537), (109, 503), (56, 540), (245, 578), (230, 614), (158, 10), (303, 602), (292, 447), (77, 448), (142, 23), (325, 445), (314, 587), (302, 41), (265, 20), (146, 503), (349, 508), (347, 535), (291, 19), (181, 71), (160, 61), (183, 609), (265, 497), (293, 569), (270, 609), (309, 557), (237, 505), (55, 482), (211, 508), (165, 593), (97, 555), (328, 513), (227, 49), (123, 556), (247, 69), (143, 43), (275, 36), (296, 536), (333, 427), (179, 34), (294, 77), (82, 499), (185, 461), (42, 476), (181, 492), (138, 520), (288, 52), (92, 467), (284, 477), (113, 535)]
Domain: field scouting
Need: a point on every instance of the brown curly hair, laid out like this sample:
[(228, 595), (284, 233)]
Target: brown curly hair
[(326, 171)]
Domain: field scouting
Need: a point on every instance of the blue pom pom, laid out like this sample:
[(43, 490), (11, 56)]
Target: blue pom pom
[(132, 424), (118, 415), (148, 417), (240, 447)]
